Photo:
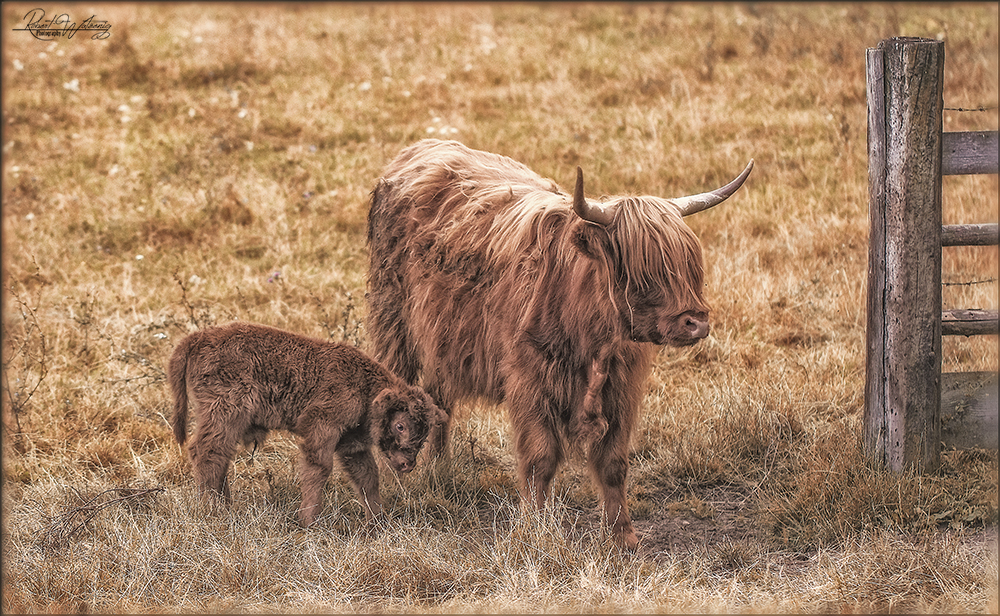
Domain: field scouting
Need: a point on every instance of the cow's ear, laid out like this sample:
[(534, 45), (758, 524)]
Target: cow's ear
[(591, 240)]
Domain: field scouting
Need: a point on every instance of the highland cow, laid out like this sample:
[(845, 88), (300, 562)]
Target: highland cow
[(486, 280), (247, 379)]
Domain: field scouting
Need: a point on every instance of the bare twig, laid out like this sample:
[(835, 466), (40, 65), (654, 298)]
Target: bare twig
[(153, 372), (348, 331), (325, 322), (63, 527), (28, 353), (184, 300)]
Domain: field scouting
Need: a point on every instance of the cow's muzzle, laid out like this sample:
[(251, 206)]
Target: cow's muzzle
[(694, 327), (683, 330)]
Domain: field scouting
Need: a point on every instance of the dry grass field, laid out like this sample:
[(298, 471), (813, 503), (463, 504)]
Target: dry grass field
[(207, 163)]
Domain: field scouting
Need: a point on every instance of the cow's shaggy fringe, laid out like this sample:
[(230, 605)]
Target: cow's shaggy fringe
[(490, 204)]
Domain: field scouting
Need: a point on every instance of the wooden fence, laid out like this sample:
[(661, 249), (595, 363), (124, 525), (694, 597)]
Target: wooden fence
[(907, 155)]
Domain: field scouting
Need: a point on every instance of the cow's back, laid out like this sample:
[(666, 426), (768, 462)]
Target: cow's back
[(441, 301)]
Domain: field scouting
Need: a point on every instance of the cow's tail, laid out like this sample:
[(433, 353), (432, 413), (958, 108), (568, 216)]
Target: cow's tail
[(374, 205), (177, 376), (388, 327)]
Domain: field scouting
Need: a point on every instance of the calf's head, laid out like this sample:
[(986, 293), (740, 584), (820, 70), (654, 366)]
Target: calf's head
[(653, 260), (404, 417)]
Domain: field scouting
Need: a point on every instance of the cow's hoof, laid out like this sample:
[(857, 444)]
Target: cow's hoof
[(630, 542), (626, 540)]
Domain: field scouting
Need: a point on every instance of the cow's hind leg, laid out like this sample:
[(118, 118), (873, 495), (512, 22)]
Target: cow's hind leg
[(388, 323), (388, 328)]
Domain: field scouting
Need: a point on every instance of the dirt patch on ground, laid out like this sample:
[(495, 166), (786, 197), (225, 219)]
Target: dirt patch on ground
[(698, 521), (724, 524), (692, 520)]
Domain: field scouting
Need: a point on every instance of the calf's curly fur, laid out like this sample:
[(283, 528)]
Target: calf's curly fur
[(245, 380)]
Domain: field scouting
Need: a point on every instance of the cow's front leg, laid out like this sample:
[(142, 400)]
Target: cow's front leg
[(539, 452), (608, 460)]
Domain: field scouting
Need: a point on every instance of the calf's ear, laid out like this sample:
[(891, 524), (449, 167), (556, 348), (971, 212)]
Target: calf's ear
[(435, 415), (384, 401)]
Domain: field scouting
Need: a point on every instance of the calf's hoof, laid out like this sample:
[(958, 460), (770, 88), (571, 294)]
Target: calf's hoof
[(306, 517)]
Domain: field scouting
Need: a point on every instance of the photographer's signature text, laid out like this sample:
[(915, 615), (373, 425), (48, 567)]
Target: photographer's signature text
[(61, 26)]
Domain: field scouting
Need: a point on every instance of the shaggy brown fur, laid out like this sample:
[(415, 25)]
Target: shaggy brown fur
[(246, 379), (483, 281)]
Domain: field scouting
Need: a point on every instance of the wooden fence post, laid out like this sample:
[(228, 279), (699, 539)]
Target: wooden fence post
[(905, 83)]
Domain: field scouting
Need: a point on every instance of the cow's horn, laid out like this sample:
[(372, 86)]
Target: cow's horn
[(696, 203), (591, 213)]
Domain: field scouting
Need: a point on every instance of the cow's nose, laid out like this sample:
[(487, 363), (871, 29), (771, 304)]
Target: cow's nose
[(695, 327)]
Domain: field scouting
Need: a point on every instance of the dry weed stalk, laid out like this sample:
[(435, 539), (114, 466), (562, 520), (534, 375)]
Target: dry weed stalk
[(25, 358), (63, 527)]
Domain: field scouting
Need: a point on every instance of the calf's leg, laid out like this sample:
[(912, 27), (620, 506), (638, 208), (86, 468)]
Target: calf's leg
[(212, 449), (360, 466), (315, 468)]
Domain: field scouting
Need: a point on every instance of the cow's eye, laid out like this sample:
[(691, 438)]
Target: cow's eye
[(651, 297), (400, 427)]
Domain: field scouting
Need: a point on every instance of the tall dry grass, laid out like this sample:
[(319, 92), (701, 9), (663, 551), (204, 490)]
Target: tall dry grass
[(211, 163)]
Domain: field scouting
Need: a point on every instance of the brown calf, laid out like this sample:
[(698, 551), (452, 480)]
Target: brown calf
[(247, 379)]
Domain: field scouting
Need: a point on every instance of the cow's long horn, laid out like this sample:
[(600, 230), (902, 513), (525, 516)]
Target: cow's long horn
[(696, 203), (591, 213)]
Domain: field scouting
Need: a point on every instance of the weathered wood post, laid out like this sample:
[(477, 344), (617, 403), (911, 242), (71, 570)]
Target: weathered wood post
[(905, 82)]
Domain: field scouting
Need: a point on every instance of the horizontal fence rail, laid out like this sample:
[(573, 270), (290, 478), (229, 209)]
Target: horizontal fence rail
[(969, 235), (969, 153), (968, 322)]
